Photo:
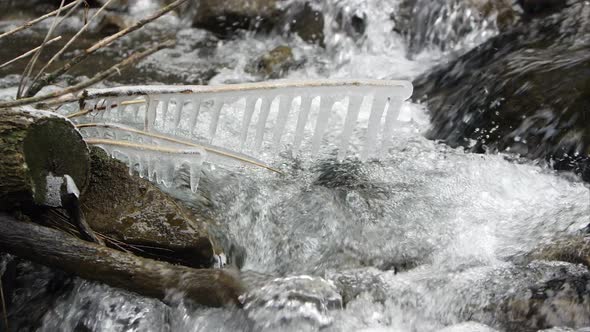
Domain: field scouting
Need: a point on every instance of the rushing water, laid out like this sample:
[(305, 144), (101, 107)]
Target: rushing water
[(422, 239)]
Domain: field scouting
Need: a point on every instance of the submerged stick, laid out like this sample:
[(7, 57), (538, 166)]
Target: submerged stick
[(53, 248), (40, 82), (116, 69)]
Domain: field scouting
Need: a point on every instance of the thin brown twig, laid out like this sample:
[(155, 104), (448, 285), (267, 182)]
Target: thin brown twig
[(65, 47), (33, 22), (116, 69), (24, 55), (78, 2), (29, 69), (47, 79)]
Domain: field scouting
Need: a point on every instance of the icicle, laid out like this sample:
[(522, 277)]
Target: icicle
[(165, 102), (150, 118), (282, 116), (354, 107), (194, 116), (177, 116), (135, 112), (326, 103), (248, 111), (304, 110), (107, 111), (195, 170), (377, 108), (262, 117), (390, 120), (217, 105)]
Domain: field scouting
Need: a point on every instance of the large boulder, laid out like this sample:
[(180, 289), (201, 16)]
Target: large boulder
[(525, 91), (134, 212)]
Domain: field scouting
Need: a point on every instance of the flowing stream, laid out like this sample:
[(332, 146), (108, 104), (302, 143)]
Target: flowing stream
[(426, 238)]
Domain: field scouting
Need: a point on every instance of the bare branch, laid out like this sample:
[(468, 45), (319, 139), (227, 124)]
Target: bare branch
[(63, 49), (31, 64), (24, 55), (38, 84), (35, 21), (116, 69)]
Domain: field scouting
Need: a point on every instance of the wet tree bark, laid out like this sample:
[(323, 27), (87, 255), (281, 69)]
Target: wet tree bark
[(212, 287), (34, 145)]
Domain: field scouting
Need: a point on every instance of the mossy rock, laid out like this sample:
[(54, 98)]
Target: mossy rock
[(274, 64), (134, 211), (573, 249)]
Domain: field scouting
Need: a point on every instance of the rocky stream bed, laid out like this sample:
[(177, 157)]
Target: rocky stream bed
[(476, 219)]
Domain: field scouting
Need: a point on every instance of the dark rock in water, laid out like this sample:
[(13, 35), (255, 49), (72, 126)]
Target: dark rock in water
[(541, 6), (226, 17), (110, 24), (525, 91), (307, 22), (133, 211), (354, 24), (563, 302), (35, 289), (444, 23), (274, 64)]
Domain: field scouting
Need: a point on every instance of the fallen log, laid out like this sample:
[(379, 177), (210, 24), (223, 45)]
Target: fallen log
[(36, 147), (46, 246)]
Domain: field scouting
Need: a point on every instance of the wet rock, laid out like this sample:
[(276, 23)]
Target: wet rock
[(445, 24), (468, 327), (573, 249), (133, 211), (532, 7), (225, 17), (352, 283), (525, 91), (353, 23), (274, 64), (110, 24), (300, 302), (563, 302), (307, 22)]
